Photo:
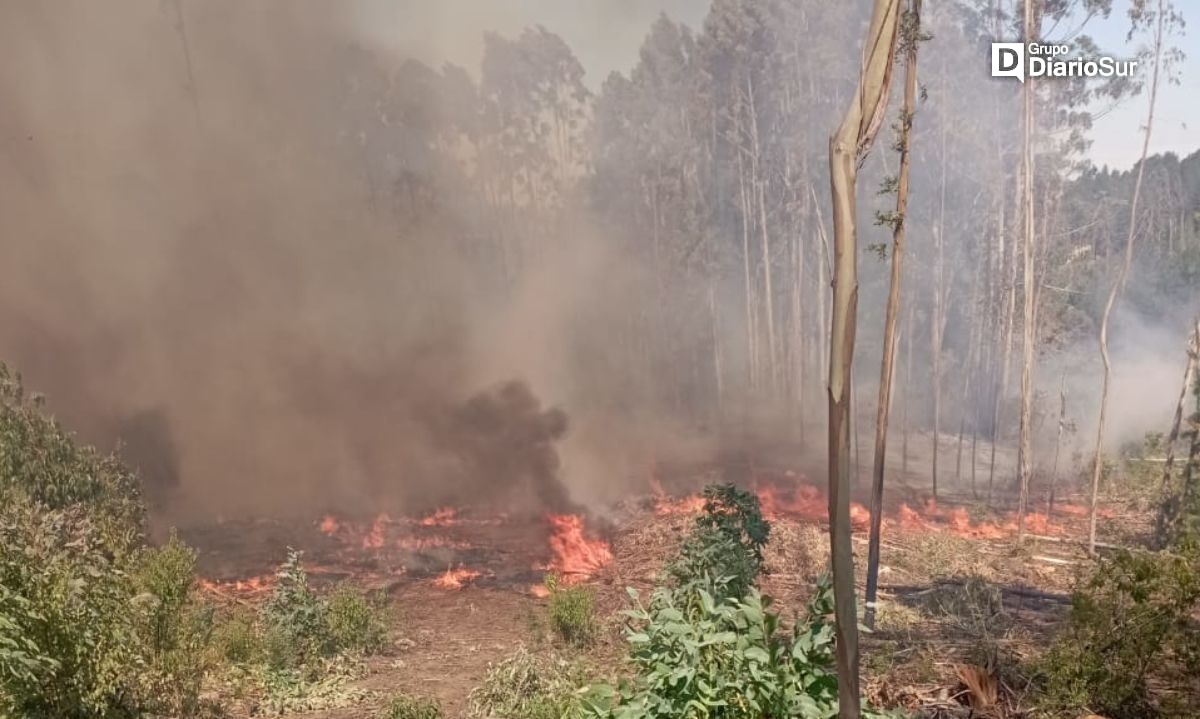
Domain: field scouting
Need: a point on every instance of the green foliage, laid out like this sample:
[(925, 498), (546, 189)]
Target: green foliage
[(1130, 619), (67, 608), (235, 639), (354, 622), (300, 627), (525, 686), (325, 684), (698, 656), (174, 629), (410, 707), (41, 461), (572, 612), (293, 618), (724, 551)]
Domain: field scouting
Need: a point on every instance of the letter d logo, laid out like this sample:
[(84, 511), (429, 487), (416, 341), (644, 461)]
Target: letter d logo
[(1008, 60)]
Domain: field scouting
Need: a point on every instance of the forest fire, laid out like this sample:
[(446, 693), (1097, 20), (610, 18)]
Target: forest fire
[(252, 586), (575, 556), (455, 578)]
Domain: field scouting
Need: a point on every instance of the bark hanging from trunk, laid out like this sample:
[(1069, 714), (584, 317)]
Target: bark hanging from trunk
[(849, 143)]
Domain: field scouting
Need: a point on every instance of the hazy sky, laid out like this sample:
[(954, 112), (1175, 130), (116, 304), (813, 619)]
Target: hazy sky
[(606, 36)]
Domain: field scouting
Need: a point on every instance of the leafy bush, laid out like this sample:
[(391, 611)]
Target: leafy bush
[(67, 607), (293, 618), (725, 548), (354, 623), (1129, 620), (174, 629), (91, 624), (525, 686), (300, 627), (696, 655), (410, 707), (41, 461), (235, 639), (572, 612)]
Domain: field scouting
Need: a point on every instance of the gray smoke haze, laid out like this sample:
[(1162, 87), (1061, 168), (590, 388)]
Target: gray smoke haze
[(214, 254), (194, 264)]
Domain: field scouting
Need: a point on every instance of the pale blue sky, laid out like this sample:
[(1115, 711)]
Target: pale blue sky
[(1116, 136), (606, 35)]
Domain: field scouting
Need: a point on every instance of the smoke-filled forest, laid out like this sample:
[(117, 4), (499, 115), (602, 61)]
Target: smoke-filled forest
[(342, 381)]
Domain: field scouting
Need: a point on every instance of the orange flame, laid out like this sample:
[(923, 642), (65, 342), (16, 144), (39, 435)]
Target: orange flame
[(249, 586), (664, 506), (375, 538), (441, 518), (575, 554), (455, 578), (329, 525)]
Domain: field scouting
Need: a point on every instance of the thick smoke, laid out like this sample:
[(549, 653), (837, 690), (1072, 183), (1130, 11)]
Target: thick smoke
[(199, 264)]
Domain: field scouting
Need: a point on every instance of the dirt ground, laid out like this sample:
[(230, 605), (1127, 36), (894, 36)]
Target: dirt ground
[(947, 595)]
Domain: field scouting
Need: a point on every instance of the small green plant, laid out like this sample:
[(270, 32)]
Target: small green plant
[(293, 618), (406, 706), (695, 655), (354, 622), (235, 639), (1130, 620), (572, 612), (525, 686), (725, 548)]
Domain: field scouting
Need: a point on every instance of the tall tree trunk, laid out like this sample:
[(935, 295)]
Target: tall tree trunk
[(1062, 426), (751, 336), (1028, 246), (908, 362), (1167, 497), (1119, 283), (848, 145), (759, 187), (1008, 311), (910, 40)]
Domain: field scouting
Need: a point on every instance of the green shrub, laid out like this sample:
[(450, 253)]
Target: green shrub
[(725, 548), (293, 618), (69, 602), (1130, 620), (353, 622), (410, 707), (695, 655), (40, 460), (525, 686), (572, 612), (324, 684), (235, 639)]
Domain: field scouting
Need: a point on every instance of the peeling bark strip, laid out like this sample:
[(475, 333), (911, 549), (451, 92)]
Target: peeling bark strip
[(847, 147)]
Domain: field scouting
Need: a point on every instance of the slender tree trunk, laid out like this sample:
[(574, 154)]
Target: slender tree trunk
[(751, 338), (1008, 315), (968, 376), (1167, 498), (908, 362), (848, 145), (910, 41), (1062, 426), (937, 322), (1119, 283), (759, 187), (1028, 245)]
